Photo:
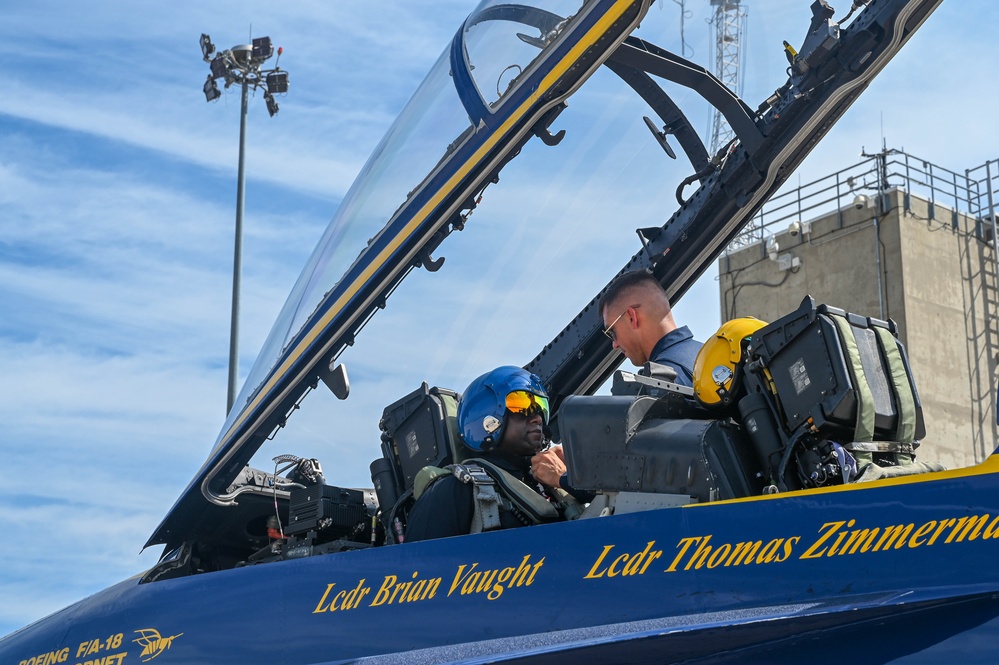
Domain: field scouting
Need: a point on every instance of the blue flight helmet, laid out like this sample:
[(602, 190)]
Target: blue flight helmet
[(483, 407)]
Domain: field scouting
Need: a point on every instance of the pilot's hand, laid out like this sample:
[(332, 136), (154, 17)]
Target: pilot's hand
[(547, 467)]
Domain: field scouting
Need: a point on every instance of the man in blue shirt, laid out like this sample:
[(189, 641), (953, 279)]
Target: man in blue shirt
[(639, 321)]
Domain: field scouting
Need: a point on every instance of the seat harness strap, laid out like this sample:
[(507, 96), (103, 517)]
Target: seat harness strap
[(485, 498)]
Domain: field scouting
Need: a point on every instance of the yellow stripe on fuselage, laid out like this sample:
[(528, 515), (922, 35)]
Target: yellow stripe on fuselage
[(557, 72), (987, 467)]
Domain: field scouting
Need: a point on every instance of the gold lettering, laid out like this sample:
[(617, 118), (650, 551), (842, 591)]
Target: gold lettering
[(534, 571), (319, 607), (992, 530), (416, 591), (941, 525), (839, 539), (897, 534), (860, 539), (505, 575), (342, 600), (469, 586), (404, 587), (788, 546), (459, 578), (611, 572), (624, 564), (719, 554), (699, 557), (769, 552), (655, 555), (486, 582), (50, 657), (520, 577), (920, 532), (814, 552), (593, 574), (635, 565), (493, 582), (495, 592), (964, 525), (431, 589), (393, 592), (744, 553), (353, 598), (115, 659), (683, 546), (383, 593)]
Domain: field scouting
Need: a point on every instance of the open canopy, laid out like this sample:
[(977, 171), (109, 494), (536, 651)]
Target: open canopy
[(500, 82), (500, 89)]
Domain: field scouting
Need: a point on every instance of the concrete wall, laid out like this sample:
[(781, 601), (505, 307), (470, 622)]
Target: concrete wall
[(903, 259)]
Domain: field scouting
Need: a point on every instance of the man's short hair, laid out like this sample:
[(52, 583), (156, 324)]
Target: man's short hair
[(625, 282)]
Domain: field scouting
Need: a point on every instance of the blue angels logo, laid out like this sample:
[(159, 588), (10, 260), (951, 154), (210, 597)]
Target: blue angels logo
[(152, 643)]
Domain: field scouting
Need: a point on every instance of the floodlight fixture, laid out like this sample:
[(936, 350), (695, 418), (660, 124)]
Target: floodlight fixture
[(211, 90), (262, 49), (272, 105), (277, 82), (218, 67), (207, 48)]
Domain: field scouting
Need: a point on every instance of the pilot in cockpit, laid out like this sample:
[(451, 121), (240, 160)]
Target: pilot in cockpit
[(502, 416)]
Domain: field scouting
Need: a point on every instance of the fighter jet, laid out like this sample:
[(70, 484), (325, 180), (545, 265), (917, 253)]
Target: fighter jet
[(730, 522)]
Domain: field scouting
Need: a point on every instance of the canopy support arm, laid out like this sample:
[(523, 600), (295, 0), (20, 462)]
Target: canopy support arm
[(677, 123), (647, 57)]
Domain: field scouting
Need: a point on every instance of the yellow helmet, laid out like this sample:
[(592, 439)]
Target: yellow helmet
[(718, 362)]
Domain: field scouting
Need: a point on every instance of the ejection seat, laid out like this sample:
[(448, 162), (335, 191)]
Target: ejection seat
[(418, 430), (821, 379)]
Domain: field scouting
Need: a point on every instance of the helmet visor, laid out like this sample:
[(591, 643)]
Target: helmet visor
[(527, 403)]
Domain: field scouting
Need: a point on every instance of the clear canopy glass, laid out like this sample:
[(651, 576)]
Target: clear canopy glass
[(543, 240)]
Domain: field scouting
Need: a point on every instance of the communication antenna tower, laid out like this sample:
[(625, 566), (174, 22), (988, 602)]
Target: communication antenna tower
[(728, 23)]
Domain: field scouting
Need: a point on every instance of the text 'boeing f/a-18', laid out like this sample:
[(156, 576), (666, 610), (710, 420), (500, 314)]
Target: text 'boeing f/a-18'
[(735, 521)]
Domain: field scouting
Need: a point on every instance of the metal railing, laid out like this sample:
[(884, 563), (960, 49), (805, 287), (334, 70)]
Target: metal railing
[(973, 194)]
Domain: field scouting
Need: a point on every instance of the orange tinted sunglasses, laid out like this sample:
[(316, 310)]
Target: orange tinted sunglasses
[(527, 403)]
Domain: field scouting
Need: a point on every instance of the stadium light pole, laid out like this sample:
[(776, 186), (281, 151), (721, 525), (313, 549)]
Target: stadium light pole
[(241, 65)]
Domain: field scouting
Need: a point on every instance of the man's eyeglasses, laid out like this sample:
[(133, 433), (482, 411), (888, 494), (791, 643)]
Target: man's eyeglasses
[(611, 335), (526, 403)]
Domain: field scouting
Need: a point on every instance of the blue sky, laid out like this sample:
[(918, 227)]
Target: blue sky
[(118, 186)]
